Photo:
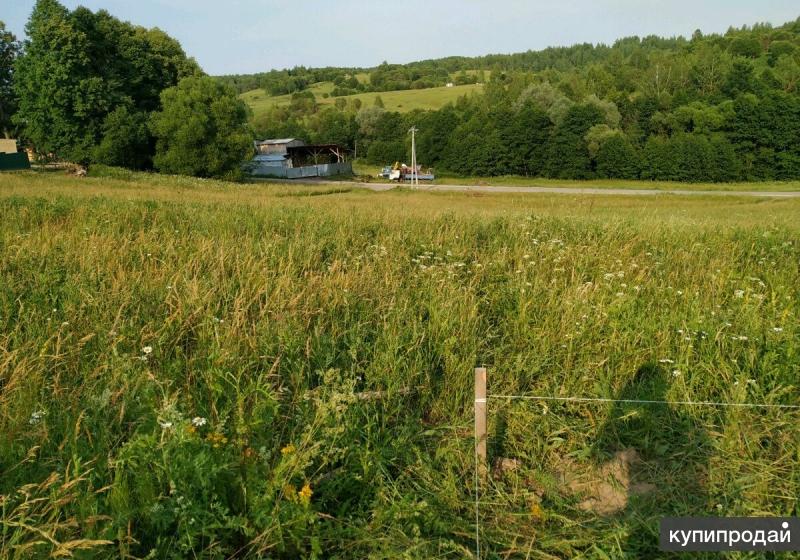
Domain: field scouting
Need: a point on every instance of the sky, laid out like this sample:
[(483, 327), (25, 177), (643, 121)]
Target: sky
[(248, 36)]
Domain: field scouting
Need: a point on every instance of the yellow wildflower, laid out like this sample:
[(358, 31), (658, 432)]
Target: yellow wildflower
[(305, 493), (288, 449), (537, 512), (216, 439)]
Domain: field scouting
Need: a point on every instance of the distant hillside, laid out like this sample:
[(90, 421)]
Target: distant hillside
[(400, 101), (707, 108), (437, 72)]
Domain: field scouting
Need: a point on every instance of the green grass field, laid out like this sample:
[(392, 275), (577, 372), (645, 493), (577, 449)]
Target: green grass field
[(400, 101), (189, 368), (363, 170)]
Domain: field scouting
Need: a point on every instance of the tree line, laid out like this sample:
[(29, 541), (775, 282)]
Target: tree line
[(710, 108), (88, 88)]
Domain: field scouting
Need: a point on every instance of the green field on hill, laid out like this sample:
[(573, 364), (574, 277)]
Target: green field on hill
[(400, 101), (198, 369)]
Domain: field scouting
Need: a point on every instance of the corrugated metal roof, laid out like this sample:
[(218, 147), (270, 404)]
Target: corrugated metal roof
[(275, 141)]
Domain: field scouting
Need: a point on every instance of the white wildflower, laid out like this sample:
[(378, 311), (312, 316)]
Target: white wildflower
[(666, 361), (147, 350), (199, 421), (36, 417)]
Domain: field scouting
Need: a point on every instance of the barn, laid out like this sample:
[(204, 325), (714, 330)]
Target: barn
[(292, 158)]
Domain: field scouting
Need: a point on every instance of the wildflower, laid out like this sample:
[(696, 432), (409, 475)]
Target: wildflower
[(305, 493), (739, 293), (216, 440), (288, 449), (147, 350), (777, 329), (199, 421), (36, 417), (165, 425), (536, 511), (665, 361), (676, 372)]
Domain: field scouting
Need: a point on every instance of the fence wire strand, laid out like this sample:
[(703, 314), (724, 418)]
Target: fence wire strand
[(642, 401)]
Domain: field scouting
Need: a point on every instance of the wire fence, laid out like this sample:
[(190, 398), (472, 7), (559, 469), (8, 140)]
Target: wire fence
[(482, 398)]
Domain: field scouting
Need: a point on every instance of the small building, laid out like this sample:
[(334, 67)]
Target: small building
[(291, 158), (277, 145)]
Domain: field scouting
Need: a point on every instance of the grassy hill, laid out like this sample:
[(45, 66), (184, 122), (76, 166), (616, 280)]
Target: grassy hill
[(401, 101), (191, 368)]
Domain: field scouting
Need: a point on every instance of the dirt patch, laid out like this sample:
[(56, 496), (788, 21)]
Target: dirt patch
[(605, 489)]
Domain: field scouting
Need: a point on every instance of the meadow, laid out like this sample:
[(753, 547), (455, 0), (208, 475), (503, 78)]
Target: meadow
[(198, 369), (401, 101), (366, 171)]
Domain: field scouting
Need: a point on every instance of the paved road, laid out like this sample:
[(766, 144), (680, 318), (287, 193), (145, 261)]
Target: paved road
[(560, 190)]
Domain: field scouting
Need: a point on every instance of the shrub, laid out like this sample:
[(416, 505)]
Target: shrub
[(201, 129)]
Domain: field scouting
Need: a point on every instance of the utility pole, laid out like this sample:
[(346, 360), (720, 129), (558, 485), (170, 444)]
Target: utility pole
[(414, 174)]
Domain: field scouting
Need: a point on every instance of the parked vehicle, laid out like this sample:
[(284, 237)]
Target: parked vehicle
[(402, 172)]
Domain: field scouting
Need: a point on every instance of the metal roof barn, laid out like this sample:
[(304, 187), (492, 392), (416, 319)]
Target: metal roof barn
[(277, 145)]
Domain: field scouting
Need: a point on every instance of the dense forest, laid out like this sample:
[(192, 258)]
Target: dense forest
[(709, 108)]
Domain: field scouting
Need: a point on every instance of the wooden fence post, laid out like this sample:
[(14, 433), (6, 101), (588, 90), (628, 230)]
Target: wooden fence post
[(480, 418)]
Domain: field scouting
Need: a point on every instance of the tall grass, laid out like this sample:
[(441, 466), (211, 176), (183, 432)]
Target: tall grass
[(183, 366)]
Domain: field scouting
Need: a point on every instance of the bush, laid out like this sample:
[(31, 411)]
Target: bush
[(201, 129)]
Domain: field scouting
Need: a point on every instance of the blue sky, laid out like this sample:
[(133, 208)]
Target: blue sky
[(245, 36)]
